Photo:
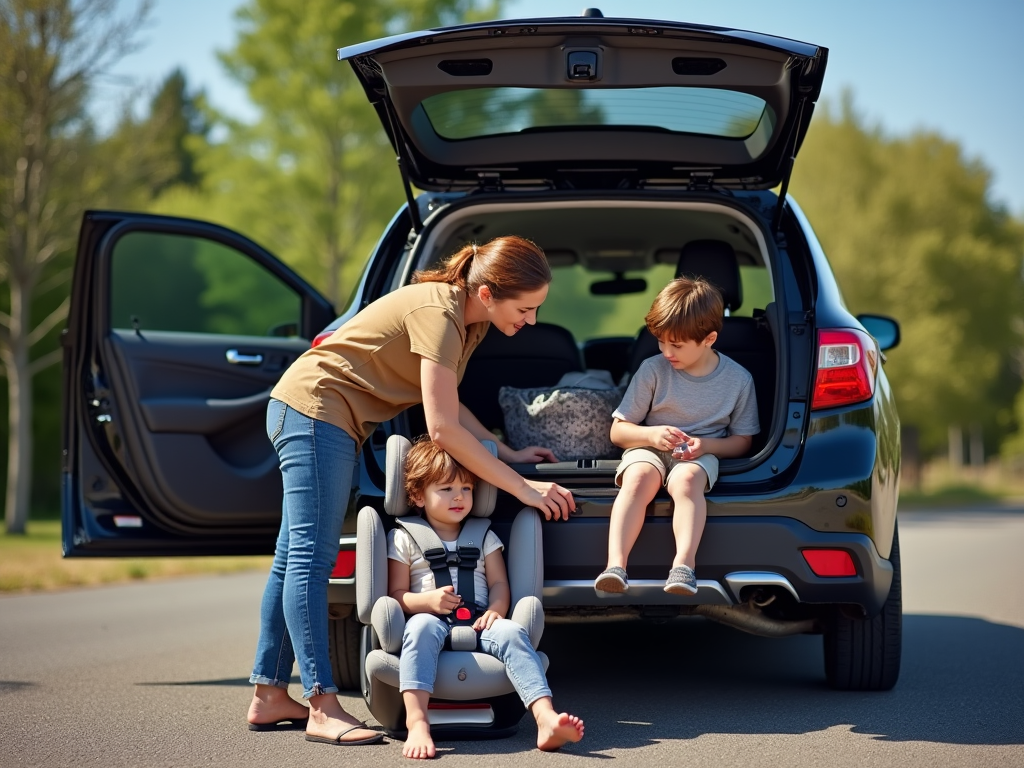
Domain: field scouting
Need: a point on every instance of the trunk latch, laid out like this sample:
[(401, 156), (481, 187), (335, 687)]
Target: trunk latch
[(581, 65)]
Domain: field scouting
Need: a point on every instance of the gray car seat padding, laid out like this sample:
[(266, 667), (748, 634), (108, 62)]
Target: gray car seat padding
[(396, 503), (461, 675), (525, 543), (371, 564)]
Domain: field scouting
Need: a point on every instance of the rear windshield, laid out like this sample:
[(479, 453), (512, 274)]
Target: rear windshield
[(481, 112), (571, 305)]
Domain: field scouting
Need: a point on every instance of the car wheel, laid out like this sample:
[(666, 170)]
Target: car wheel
[(343, 637), (864, 654)]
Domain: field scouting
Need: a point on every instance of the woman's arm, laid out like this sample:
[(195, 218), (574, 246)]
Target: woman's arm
[(532, 454), (441, 408)]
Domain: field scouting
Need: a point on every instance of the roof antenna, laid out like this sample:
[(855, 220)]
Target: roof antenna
[(592, 13)]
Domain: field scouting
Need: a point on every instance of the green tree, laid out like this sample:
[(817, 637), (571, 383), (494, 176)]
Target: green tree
[(911, 231), (314, 178), (147, 156), (50, 52)]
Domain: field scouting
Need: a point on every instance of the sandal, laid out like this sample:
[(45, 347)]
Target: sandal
[(336, 741)]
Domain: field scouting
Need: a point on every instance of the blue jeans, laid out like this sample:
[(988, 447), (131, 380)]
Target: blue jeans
[(317, 464), (506, 641)]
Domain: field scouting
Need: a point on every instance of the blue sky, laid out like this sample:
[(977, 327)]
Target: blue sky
[(950, 66)]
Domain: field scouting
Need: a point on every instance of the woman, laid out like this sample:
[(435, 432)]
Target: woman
[(409, 346)]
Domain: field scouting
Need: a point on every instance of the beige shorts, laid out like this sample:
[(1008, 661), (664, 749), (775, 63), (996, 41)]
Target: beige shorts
[(666, 464)]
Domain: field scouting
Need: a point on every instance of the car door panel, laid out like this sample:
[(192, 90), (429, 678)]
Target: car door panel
[(166, 446)]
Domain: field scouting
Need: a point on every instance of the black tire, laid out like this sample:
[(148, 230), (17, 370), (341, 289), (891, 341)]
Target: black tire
[(864, 654), (343, 639)]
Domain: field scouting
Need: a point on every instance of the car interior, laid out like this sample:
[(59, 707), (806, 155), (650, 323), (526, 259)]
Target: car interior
[(609, 259)]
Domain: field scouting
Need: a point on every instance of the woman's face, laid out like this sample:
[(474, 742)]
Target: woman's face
[(510, 315)]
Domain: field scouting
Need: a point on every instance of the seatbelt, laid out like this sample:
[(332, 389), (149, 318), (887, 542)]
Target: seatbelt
[(467, 554)]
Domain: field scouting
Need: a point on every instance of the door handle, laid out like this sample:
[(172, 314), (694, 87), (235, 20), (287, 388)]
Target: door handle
[(237, 358)]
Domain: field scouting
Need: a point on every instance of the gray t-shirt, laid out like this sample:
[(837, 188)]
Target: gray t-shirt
[(717, 405)]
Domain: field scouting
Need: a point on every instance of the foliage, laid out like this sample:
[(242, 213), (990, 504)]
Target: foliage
[(910, 231), (314, 179)]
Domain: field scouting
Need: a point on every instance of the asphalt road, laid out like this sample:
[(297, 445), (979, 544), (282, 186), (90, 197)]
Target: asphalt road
[(155, 675)]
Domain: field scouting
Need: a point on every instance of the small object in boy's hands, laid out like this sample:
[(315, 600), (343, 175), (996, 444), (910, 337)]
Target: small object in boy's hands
[(681, 451)]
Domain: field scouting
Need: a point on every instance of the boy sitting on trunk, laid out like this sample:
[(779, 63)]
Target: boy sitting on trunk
[(683, 410)]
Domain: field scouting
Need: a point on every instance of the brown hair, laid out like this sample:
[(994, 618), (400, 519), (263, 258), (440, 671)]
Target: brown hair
[(428, 463), (687, 309), (509, 266)]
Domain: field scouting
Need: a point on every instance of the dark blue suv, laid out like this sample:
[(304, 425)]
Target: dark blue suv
[(629, 150)]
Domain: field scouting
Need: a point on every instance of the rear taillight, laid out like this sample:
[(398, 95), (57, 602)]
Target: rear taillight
[(847, 363), (345, 565), (830, 562), (319, 338)]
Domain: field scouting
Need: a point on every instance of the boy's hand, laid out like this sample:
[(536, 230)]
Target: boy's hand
[(443, 601), (690, 449), (666, 438), (485, 620)]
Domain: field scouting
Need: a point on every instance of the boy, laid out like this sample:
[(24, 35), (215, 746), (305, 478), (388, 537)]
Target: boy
[(683, 410), (443, 490)]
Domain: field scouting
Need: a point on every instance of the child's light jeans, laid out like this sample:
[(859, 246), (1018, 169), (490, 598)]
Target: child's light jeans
[(506, 641)]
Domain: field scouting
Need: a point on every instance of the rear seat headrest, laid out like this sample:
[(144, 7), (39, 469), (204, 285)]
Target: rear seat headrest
[(715, 261), (395, 502)]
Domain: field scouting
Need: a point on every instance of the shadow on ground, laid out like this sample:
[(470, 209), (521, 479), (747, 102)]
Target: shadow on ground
[(962, 682)]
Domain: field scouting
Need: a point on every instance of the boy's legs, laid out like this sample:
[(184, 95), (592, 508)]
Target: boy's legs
[(508, 642), (640, 484), (686, 486), (417, 669)]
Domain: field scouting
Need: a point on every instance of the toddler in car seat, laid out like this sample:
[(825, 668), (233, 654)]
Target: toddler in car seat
[(443, 490), (683, 410)]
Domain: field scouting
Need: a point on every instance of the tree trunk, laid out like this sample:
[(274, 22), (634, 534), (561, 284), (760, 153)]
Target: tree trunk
[(19, 415)]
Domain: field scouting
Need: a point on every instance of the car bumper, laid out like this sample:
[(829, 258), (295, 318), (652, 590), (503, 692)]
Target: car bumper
[(735, 553)]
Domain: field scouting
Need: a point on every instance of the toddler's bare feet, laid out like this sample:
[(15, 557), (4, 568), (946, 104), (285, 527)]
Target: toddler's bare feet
[(555, 729), (271, 704), (418, 744)]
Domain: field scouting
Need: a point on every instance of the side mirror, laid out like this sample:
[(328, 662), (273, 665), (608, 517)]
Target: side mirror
[(885, 330)]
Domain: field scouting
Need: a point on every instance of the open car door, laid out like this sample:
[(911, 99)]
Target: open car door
[(177, 332)]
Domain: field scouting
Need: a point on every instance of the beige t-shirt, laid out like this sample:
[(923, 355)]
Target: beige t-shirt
[(403, 548), (368, 371)]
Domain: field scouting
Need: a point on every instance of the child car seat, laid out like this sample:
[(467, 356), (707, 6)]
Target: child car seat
[(473, 697)]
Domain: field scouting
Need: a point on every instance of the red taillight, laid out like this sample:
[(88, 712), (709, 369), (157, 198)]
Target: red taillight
[(319, 338), (345, 565), (847, 363), (830, 562)]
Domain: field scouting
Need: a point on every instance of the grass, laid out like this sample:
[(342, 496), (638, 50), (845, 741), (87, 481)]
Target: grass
[(950, 495), (33, 562)]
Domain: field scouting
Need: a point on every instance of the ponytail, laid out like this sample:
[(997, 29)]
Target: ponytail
[(509, 266)]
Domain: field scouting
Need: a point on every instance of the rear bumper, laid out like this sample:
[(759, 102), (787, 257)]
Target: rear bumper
[(735, 553)]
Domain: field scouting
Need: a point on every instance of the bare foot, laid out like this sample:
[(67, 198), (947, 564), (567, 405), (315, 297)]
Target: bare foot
[(555, 729), (271, 704), (327, 718), (418, 744)]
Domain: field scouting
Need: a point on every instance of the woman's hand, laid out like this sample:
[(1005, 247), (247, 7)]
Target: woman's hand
[(443, 600), (531, 454), (666, 438), (484, 620), (554, 501)]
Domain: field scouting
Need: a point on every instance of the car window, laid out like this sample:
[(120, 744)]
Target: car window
[(162, 282), (571, 304), (476, 112)]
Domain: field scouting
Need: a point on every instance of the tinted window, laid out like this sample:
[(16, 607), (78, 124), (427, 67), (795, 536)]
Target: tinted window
[(176, 283), (571, 305), (491, 111)]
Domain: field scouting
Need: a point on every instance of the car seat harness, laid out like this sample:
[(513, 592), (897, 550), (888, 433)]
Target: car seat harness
[(466, 556)]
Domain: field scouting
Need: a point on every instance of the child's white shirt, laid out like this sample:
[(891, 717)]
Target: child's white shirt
[(403, 548)]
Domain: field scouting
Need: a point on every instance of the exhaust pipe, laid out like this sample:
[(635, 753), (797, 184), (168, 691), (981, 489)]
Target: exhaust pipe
[(750, 618)]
